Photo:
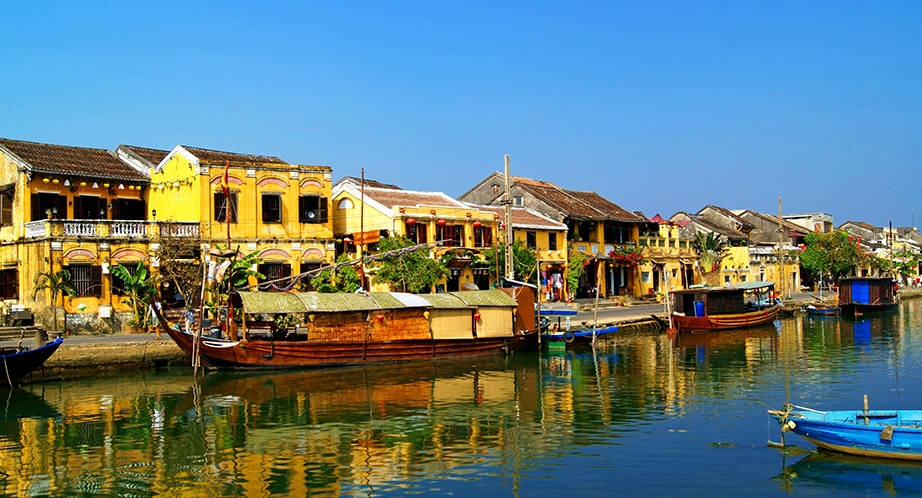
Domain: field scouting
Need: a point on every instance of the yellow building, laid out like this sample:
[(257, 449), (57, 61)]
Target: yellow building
[(362, 216), (261, 204), (547, 238), (87, 210), (669, 258), (72, 208)]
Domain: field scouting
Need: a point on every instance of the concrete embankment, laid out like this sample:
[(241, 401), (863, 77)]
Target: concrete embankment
[(92, 356)]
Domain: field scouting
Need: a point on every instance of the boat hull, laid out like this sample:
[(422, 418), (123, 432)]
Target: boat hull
[(711, 323), (263, 354), (575, 336), (886, 434), (868, 308), (16, 365), (823, 310)]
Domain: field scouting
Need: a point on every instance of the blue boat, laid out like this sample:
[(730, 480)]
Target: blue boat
[(867, 294), (18, 362), (563, 338), (881, 434), (822, 310)]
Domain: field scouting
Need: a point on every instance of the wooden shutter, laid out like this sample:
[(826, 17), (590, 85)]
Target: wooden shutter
[(95, 281), (37, 213), (78, 208), (324, 210)]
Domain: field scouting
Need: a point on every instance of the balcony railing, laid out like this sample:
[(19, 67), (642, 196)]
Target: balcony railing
[(109, 228)]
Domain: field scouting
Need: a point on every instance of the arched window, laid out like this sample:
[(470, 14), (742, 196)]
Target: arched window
[(345, 204)]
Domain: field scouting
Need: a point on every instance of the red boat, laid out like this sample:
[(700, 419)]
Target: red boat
[(359, 328), (708, 309)]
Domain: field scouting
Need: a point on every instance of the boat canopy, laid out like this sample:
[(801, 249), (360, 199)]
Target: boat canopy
[(314, 302)]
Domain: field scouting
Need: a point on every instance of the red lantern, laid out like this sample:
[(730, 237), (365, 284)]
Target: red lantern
[(441, 222), (477, 316), (411, 221), (380, 318), (477, 224), (347, 240)]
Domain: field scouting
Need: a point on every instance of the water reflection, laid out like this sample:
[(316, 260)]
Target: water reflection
[(830, 472), (600, 419)]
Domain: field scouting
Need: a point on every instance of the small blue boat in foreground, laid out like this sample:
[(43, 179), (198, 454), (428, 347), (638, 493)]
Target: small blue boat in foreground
[(881, 434)]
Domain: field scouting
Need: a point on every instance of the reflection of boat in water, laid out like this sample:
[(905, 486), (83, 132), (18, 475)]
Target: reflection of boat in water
[(342, 394), (18, 362), (878, 433), (852, 474), (724, 338), (16, 404)]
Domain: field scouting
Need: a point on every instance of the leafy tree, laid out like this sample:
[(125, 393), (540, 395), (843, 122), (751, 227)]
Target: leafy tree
[(576, 267), (409, 270), (139, 288), (58, 283), (338, 278), (524, 260), (831, 253)]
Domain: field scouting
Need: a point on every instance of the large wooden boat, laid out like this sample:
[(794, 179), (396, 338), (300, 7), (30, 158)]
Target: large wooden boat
[(707, 309), (883, 434), (18, 362), (867, 294), (367, 327)]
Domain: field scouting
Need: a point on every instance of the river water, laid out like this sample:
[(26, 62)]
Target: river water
[(640, 415)]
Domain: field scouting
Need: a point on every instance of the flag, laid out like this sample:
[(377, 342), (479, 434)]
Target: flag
[(224, 182)]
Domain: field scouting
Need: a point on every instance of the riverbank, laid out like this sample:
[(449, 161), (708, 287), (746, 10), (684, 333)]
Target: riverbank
[(83, 356), (94, 356)]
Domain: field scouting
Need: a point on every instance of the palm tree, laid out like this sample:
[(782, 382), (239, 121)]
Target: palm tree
[(711, 250), (58, 283), (139, 288)]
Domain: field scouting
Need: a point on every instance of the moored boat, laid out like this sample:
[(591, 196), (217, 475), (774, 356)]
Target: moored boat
[(879, 433), (708, 309), (555, 337), (867, 294), (18, 362), (366, 327), (822, 310)]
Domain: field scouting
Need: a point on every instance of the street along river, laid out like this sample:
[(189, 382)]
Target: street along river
[(640, 415)]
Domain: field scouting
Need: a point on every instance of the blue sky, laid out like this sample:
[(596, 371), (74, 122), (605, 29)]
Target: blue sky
[(659, 106)]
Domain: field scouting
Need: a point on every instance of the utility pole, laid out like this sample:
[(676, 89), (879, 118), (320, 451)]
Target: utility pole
[(780, 250), (507, 221)]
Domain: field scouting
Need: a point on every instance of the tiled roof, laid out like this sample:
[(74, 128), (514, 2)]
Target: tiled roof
[(368, 183), (219, 157), (575, 203), (392, 198), (524, 218), (72, 161), (153, 156)]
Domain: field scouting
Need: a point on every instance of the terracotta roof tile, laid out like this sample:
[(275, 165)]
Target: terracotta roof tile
[(153, 156), (76, 161), (219, 157), (523, 217), (575, 203), (392, 198)]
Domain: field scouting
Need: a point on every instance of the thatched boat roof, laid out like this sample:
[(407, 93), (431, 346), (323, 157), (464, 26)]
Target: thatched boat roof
[(313, 302)]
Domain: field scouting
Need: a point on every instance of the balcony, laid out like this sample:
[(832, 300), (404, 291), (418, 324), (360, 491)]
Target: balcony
[(105, 229)]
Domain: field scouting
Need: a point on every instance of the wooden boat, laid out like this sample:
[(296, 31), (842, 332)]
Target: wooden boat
[(556, 337), (882, 434), (867, 294), (18, 362), (707, 309), (822, 310), (367, 327)]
